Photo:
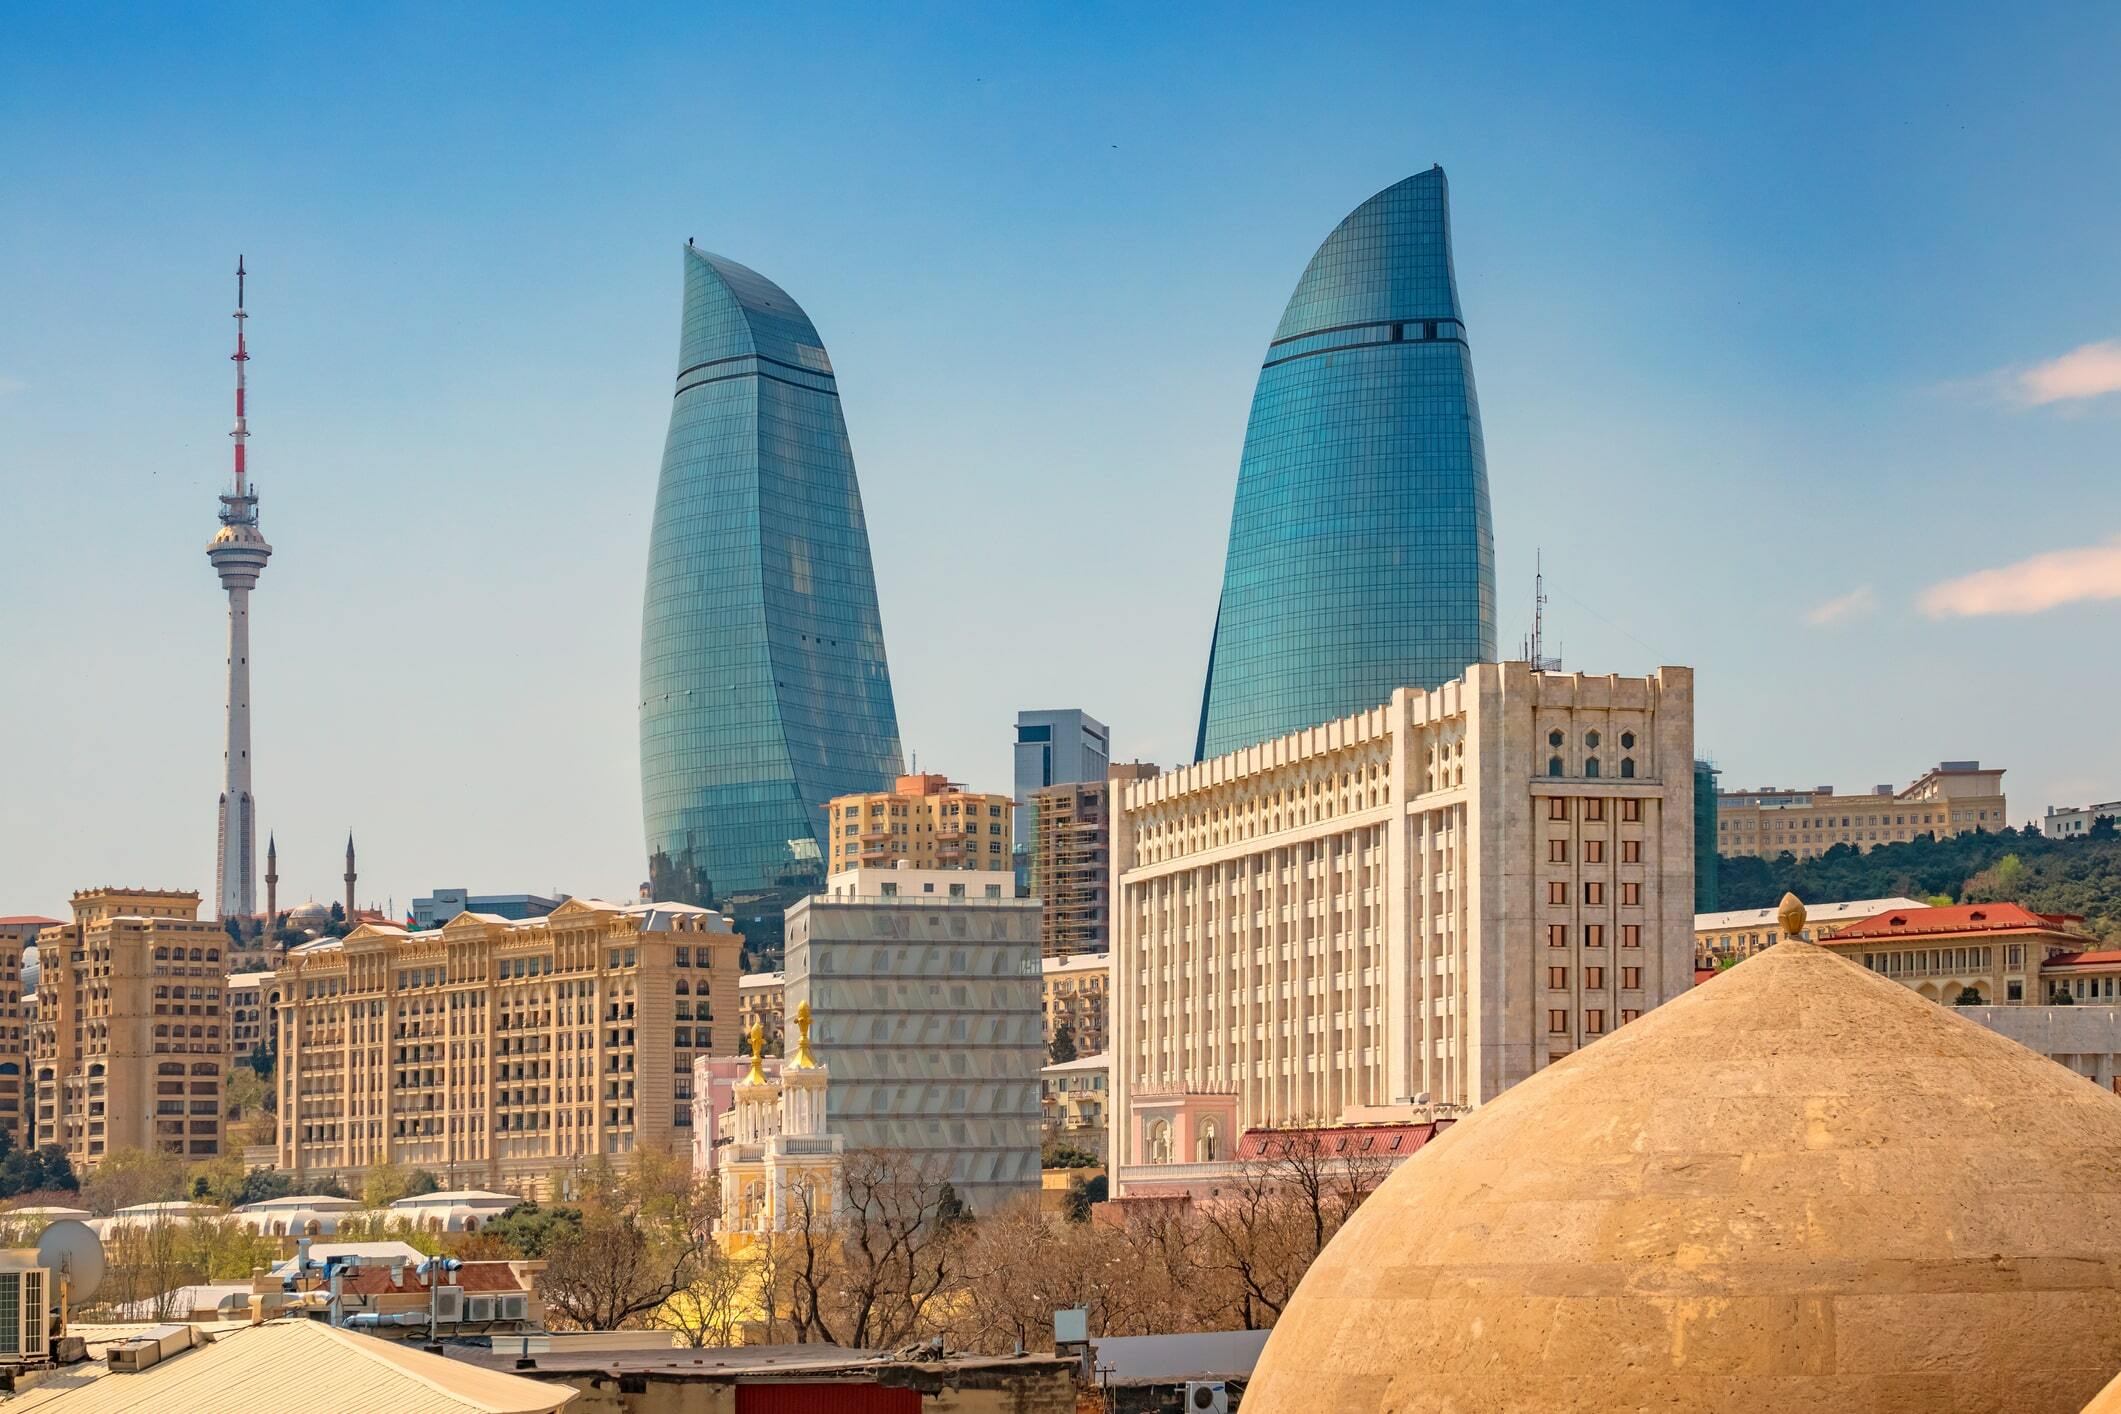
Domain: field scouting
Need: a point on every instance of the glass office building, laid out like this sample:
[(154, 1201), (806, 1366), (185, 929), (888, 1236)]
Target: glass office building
[(764, 689), (1361, 552)]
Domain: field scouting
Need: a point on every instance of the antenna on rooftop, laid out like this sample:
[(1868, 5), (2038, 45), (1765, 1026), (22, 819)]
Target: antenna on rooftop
[(1535, 642)]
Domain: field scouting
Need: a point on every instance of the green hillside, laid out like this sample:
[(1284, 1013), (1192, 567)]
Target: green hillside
[(2022, 866)]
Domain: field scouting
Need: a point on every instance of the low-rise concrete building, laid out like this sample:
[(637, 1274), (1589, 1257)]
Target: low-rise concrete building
[(1951, 798), (1721, 939)]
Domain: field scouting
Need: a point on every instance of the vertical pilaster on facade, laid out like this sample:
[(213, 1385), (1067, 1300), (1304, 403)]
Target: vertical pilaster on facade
[(496, 1050), (1416, 906)]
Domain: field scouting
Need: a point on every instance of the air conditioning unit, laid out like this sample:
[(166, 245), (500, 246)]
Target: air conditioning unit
[(449, 1305), (23, 1335), (478, 1309), (1207, 1397), (515, 1307)]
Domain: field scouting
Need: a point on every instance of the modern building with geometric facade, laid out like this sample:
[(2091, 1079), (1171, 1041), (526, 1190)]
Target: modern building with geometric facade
[(1361, 556), (764, 687), (924, 986)]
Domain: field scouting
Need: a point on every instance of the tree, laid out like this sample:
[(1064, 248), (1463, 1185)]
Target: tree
[(530, 1229), (642, 1238), (25, 1171), (1062, 1047), (217, 1180), (1068, 1156), (1277, 1215), (127, 1177), (865, 1264), (1968, 996), (1082, 1197), (385, 1184)]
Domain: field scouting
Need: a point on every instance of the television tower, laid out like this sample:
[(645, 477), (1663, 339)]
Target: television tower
[(238, 553)]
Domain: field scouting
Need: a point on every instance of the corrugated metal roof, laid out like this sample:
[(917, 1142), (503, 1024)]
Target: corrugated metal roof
[(284, 1365)]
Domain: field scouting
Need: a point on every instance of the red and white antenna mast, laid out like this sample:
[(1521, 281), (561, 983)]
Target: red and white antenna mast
[(240, 508)]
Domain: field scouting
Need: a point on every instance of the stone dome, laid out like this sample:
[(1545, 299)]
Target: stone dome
[(1798, 1187), (309, 915)]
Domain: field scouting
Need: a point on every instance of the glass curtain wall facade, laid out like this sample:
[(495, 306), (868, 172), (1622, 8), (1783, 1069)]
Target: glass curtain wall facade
[(1361, 553), (764, 687)]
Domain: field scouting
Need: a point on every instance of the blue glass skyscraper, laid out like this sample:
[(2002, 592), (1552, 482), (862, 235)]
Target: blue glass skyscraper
[(764, 689), (1361, 555)]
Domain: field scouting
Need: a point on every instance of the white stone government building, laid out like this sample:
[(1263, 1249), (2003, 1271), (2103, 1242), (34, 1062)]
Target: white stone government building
[(1413, 907)]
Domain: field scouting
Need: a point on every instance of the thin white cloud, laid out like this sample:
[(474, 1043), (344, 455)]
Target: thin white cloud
[(2031, 586), (2089, 371), (1857, 602)]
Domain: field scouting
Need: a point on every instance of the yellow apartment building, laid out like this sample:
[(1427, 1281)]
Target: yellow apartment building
[(1952, 798), (924, 822)]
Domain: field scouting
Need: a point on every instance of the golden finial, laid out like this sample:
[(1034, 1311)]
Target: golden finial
[(757, 1037), (803, 1059), (1790, 915)]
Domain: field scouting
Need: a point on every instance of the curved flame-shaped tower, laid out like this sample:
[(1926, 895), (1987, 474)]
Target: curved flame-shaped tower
[(1361, 553), (764, 687)]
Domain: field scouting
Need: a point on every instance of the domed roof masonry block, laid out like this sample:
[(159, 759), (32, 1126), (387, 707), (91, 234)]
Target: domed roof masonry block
[(1798, 1187)]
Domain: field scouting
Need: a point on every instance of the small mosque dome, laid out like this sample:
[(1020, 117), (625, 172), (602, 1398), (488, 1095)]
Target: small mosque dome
[(1798, 1186), (309, 915)]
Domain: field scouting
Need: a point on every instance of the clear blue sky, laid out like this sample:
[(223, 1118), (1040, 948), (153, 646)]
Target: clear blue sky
[(1766, 314)]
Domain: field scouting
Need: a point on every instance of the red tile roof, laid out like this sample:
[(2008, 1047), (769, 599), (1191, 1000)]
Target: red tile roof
[(472, 1276), (2104, 957), (1391, 1141), (1703, 974), (29, 918), (1958, 918)]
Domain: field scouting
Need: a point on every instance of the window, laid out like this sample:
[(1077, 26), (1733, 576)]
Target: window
[(1553, 765), (1628, 1014), (1590, 768), (1594, 935), (1557, 807), (1557, 1023), (1631, 935), (1557, 851), (1631, 895), (1590, 739), (1594, 977), (1631, 851), (1594, 851), (1595, 809), (1594, 1022), (1554, 737), (1627, 741), (1593, 892), (1557, 891), (1557, 935), (1558, 978), (1627, 768), (1631, 811), (1631, 978)]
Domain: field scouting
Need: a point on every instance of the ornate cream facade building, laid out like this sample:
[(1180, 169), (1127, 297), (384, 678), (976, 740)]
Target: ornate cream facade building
[(129, 1048), (925, 822), (1952, 798), (500, 1051), (782, 1167), (1422, 903), (18, 934)]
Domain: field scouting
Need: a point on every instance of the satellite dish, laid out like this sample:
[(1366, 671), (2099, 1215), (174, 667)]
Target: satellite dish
[(71, 1247)]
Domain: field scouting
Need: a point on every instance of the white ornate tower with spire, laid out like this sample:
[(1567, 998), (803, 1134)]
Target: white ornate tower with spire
[(238, 552)]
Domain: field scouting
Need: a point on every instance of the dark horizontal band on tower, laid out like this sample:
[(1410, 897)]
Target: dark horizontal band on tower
[(736, 358), (756, 373), (1363, 336)]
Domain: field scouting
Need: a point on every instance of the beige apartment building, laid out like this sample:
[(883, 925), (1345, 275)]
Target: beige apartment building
[(253, 1008), (1952, 798), (1415, 906), (924, 822), (129, 1049), (1076, 989), (498, 1051), (18, 933), (1071, 859), (760, 1002)]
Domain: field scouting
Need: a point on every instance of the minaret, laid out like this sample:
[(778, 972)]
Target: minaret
[(351, 875), (272, 881), (238, 553)]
